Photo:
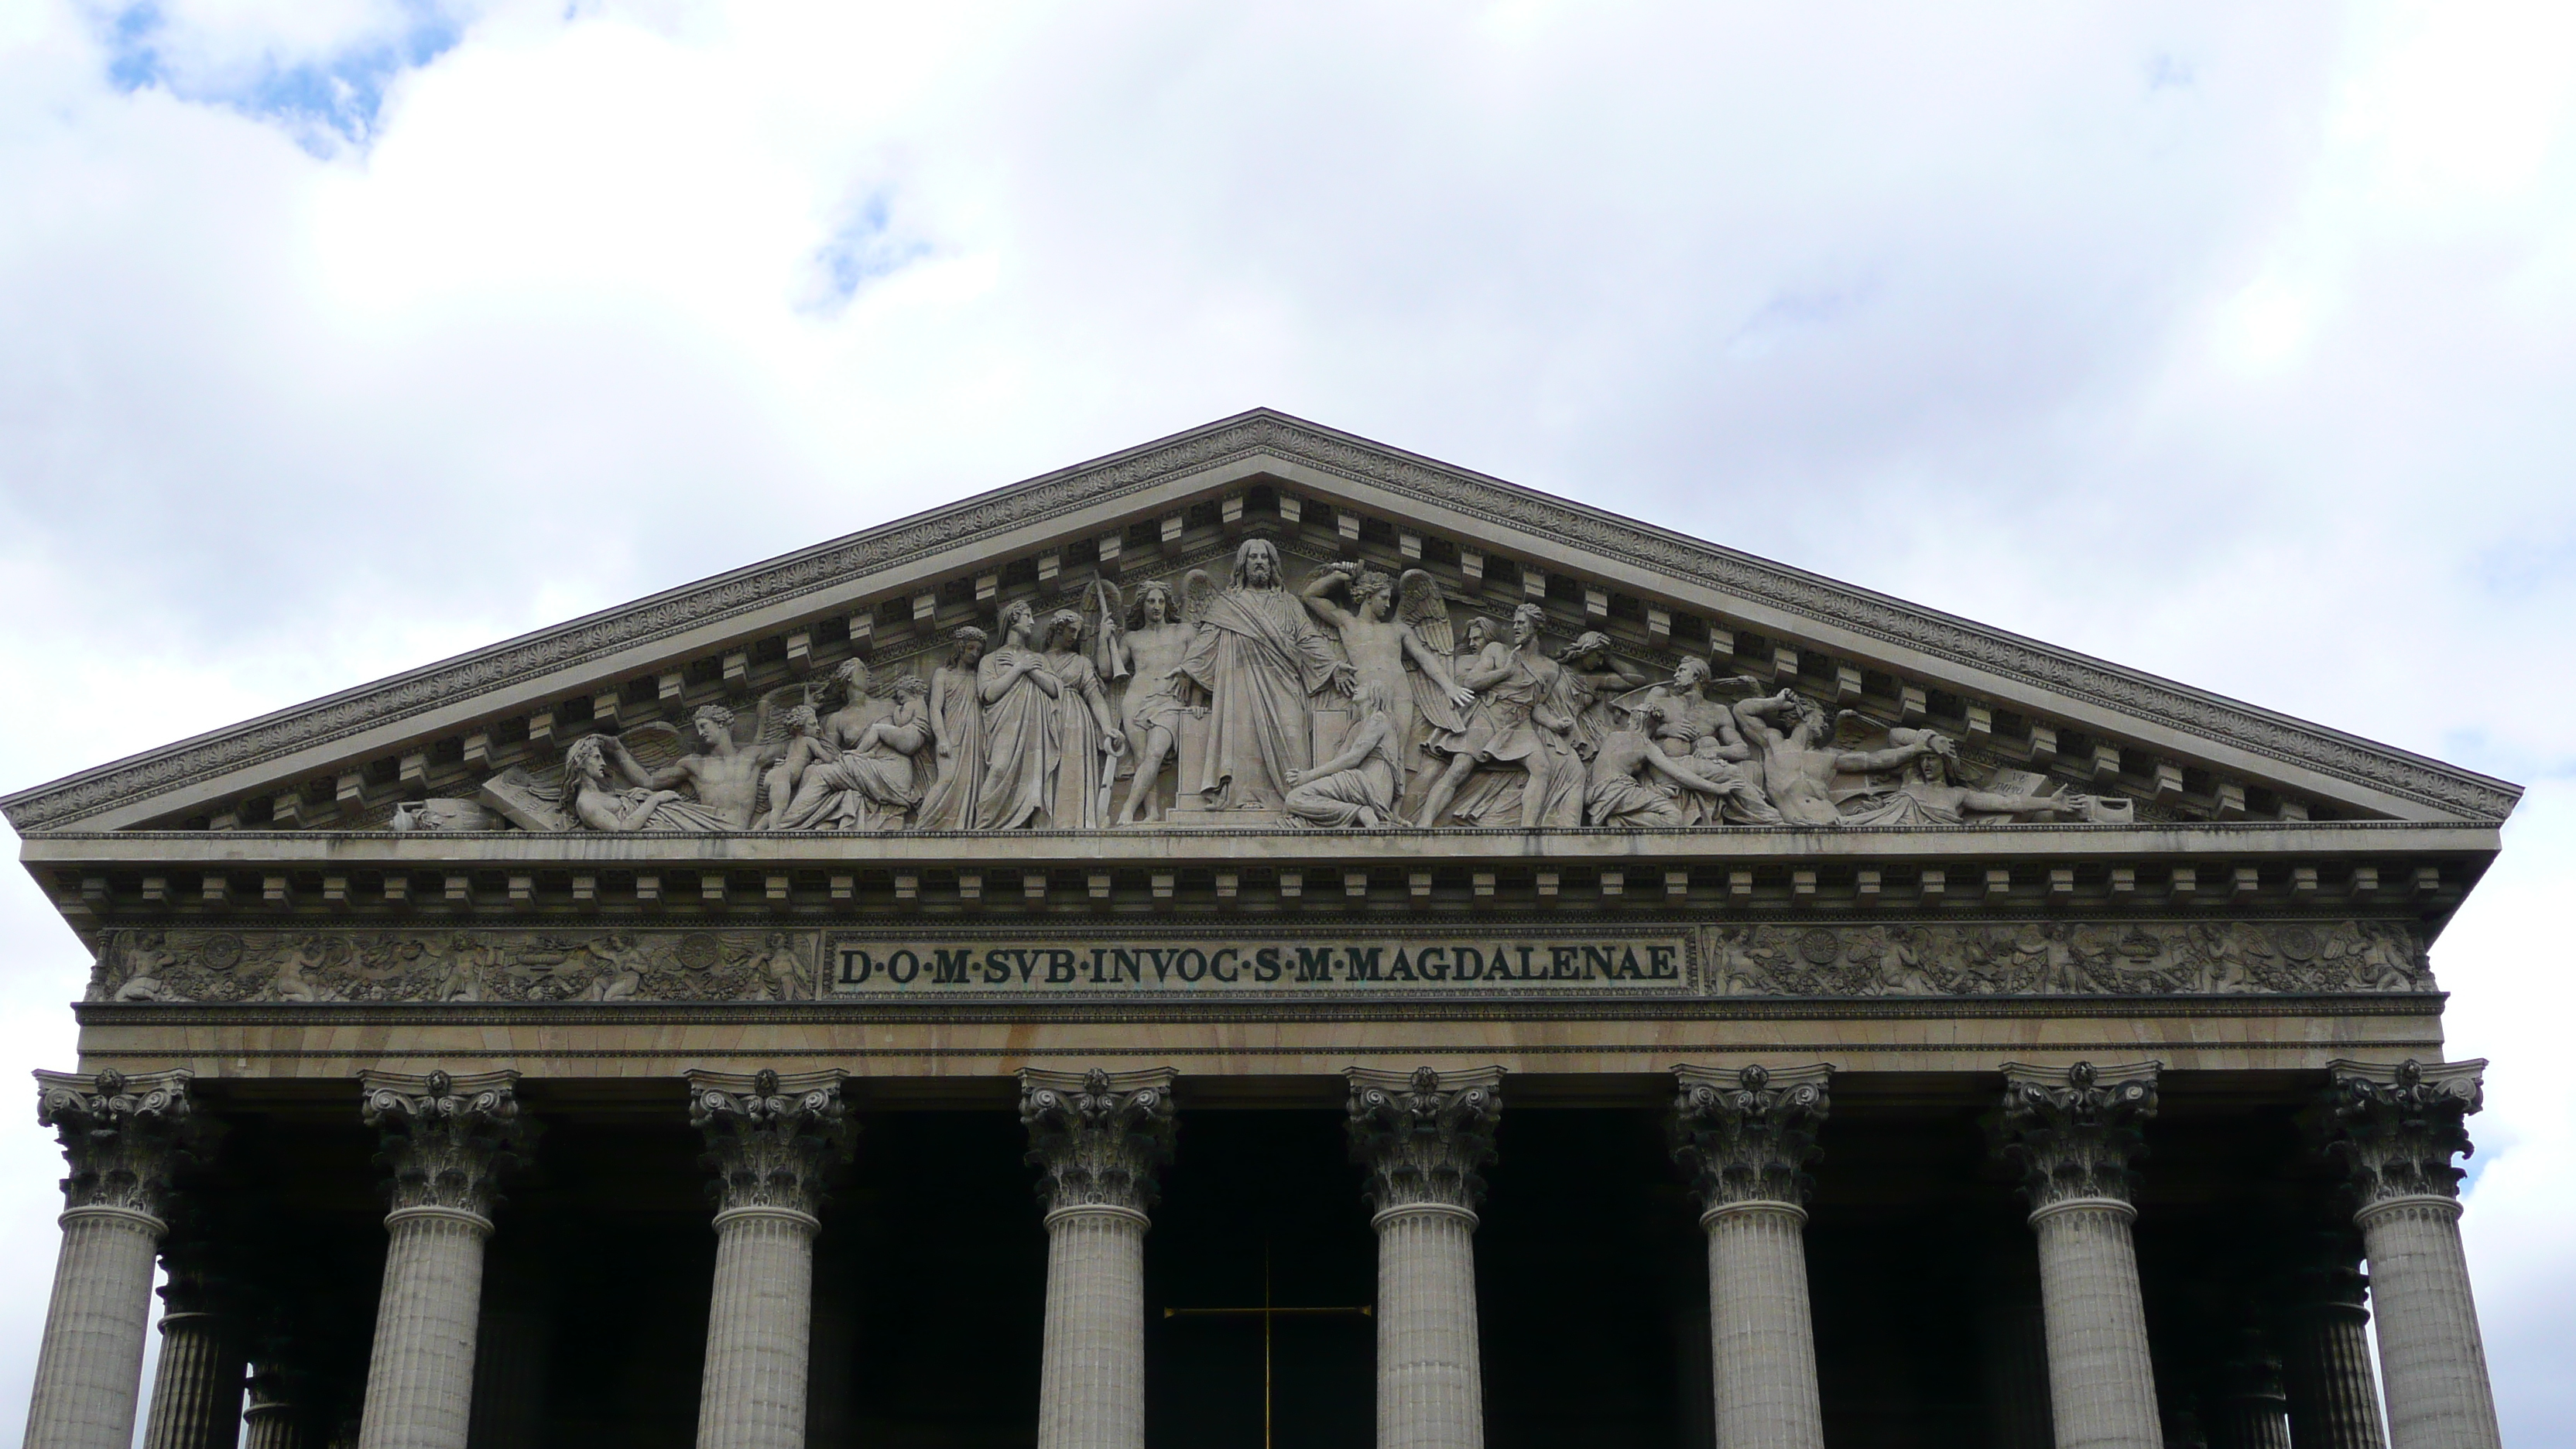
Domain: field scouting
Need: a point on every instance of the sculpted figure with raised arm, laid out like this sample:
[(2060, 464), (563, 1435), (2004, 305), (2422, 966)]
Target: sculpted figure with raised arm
[(1929, 796), (1261, 659), (1519, 719), (724, 776), (1381, 645), (1793, 737)]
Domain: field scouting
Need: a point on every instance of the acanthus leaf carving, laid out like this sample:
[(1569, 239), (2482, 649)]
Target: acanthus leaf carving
[(2076, 1132), (2396, 1128), (773, 1139), (1748, 1135), (1097, 1138), (446, 1142), (125, 1138), (1422, 1136)]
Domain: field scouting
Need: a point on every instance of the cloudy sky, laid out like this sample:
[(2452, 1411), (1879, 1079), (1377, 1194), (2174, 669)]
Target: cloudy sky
[(2220, 340)]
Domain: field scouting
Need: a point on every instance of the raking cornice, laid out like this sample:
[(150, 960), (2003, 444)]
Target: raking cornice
[(1264, 433)]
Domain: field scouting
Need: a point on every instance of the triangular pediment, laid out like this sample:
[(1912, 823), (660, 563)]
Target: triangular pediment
[(2021, 710)]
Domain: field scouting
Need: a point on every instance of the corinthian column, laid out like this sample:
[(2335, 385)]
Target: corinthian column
[(1745, 1138), (1098, 1139), (2325, 1350), (2074, 1132), (2396, 1130), (123, 1137), (772, 1139), (1422, 1137), (197, 1393), (448, 1140)]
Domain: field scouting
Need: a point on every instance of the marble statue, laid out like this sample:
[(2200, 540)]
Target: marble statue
[(1261, 658), (1087, 739), (1521, 719), (956, 717), (1633, 782), (594, 800), (1358, 787), (1799, 759), (1595, 677), (1397, 647), (868, 780), (1152, 645), (1928, 797), (1018, 694)]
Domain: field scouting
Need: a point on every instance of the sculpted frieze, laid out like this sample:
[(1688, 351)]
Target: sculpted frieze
[(1484, 960), (2054, 958), (580, 644), (1351, 700), (435, 966)]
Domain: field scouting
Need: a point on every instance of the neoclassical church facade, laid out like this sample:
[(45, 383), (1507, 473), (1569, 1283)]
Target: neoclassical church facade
[(1264, 939)]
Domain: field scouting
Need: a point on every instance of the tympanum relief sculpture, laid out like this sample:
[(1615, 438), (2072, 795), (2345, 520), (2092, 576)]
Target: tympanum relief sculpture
[(1351, 700)]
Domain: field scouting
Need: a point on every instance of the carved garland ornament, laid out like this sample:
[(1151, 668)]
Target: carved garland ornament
[(1676, 557), (1891, 959)]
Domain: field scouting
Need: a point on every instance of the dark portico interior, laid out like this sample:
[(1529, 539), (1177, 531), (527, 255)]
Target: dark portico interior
[(931, 1270)]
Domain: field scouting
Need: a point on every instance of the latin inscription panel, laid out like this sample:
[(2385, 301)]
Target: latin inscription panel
[(926, 964)]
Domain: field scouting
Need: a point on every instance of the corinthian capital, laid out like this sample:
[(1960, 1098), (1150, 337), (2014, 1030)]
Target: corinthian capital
[(1097, 1138), (1423, 1136), (2396, 1128), (447, 1140), (124, 1137), (772, 1138), (2075, 1131), (1747, 1135)]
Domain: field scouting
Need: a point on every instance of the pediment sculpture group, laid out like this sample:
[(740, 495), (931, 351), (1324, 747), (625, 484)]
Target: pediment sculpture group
[(1344, 703)]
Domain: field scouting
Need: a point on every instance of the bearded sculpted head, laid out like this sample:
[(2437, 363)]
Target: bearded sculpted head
[(1256, 564)]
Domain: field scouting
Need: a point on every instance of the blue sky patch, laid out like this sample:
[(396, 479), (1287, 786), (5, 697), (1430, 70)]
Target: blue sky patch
[(325, 101)]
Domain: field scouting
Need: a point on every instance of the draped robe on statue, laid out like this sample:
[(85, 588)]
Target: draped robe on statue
[(1260, 657)]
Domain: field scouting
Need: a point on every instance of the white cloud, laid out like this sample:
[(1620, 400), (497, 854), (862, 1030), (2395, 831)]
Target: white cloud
[(2227, 341)]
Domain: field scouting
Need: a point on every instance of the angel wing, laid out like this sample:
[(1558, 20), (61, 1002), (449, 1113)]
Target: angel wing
[(769, 721), (1197, 592), (1418, 603), (655, 745)]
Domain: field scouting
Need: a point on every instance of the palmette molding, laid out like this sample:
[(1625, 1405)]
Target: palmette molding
[(1497, 961), (1265, 434)]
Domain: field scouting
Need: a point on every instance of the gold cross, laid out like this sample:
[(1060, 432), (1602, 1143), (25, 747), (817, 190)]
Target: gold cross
[(1268, 1312)]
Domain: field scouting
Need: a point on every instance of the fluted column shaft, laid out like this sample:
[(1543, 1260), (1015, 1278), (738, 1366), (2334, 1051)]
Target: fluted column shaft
[(2396, 1129), (759, 1329), (2430, 1351), (2075, 1131), (91, 1361), (1744, 1137), (2325, 1368), (420, 1378), (1762, 1336), (197, 1391), (1422, 1136), (1091, 1377), (1430, 1377), (2101, 1380), (1099, 1140), (773, 1138), (447, 1141), (123, 1139)]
